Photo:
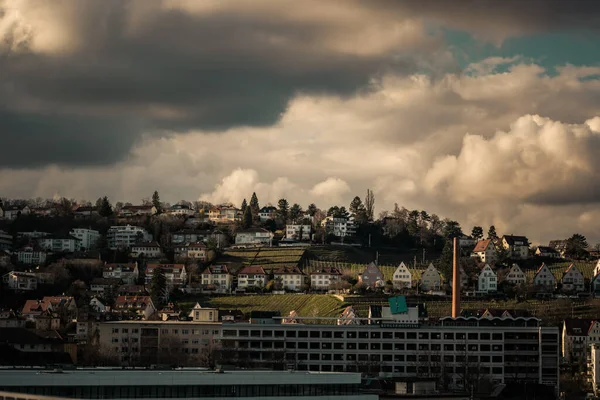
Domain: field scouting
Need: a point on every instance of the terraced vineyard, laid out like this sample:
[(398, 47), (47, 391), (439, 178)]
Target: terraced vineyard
[(356, 269), (268, 256)]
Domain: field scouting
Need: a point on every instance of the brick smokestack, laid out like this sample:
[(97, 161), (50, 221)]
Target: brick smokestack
[(455, 281)]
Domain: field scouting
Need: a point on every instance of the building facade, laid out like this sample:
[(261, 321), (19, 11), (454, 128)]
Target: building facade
[(515, 275), (125, 236), (572, 280), (487, 281), (431, 279), (88, 238), (485, 251), (298, 231), (544, 279), (322, 278), (217, 278), (402, 278)]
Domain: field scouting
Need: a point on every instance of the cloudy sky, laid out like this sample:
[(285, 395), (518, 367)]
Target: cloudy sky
[(483, 111)]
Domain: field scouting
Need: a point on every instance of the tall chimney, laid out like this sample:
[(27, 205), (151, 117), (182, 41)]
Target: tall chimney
[(455, 281)]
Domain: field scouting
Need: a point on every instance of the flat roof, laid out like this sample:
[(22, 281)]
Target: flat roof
[(121, 377)]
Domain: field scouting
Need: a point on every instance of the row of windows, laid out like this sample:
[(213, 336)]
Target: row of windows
[(363, 334), (378, 346)]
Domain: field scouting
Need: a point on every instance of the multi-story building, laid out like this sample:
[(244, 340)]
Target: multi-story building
[(253, 237), (217, 278), (252, 276), (464, 349), (13, 212), (194, 251), (487, 281), (137, 211), (485, 251), (298, 231), (59, 243), (128, 273), (402, 278), (339, 226), (291, 278), (31, 255), (175, 274), (594, 368), (517, 246), (577, 337), (431, 279), (515, 275), (572, 280), (224, 214), (20, 281), (544, 279), (181, 210), (147, 250), (192, 235), (125, 236), (6, 241), (141, 306), (321, 279), (88, 238)]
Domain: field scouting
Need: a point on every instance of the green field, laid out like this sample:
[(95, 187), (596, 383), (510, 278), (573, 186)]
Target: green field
[(272, 257), (551, 312)]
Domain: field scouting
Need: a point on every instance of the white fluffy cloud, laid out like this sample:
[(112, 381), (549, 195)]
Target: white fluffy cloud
[(516, 149)]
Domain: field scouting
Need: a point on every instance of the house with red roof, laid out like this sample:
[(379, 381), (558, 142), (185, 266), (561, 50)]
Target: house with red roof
[(485, 251), (139, 305), (291, 278), (252, 276), (322, 278), (217, 277), (577, 337)]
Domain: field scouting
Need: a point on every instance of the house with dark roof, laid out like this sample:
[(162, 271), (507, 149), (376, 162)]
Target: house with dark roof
[(546, 252), (128, 273), (544, 279), (137, 211), (517, 246), (175, 274), (146, 249), (577, 336), (252, 276), (290, 277), (19, 346), (322, 278), (572, 280), (372, 277), (217, 278), (192, 251)]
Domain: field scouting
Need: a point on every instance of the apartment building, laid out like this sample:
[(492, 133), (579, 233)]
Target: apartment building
[(59, 243), (128, 273), (322, 279), (298, 231), (501, 349), (175, 274), (31, 254), (88, 238), (125, 236), (148, 250)]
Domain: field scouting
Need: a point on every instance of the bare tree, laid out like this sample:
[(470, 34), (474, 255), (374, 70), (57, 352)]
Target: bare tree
[(370, 204)]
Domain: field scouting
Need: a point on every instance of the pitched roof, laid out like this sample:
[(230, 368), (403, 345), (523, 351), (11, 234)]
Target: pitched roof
[(216, 269), (168, 268), (577, 326), (482, 245), (252, 269), (547, 249), (326, 271), (254, 230), (126, 302), (146, 244), (288, 270), (511, 239), (196, 245), (35, 307), (58, 301), (130, 267)]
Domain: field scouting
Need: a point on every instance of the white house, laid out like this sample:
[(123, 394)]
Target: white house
[(128, 273), (252, 276), (402, 277), (88, 238), (97, 305), (515, 275), (12, 212), (126, 236), (487, 281), (544, 279), (572, 280), (181, 209), (485, 251), (431, 279), (298, 231), (339, 226), (225, 213), (31, 254), (321, 279), (148, 250), (547, 252), (266, 213), (253, 236), (193, 251), (517, 246), (175, 274), (217, 276), (140, 305), (15, 280), (136, 211), (291, 278), (59, 244)]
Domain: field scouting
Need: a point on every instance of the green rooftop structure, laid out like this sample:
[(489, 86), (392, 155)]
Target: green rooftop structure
[(398, 305)]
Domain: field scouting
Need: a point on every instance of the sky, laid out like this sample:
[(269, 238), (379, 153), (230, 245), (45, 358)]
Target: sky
[(481, 111)]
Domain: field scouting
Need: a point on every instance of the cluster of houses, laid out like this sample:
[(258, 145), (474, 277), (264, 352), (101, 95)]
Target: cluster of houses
[(516, 248)]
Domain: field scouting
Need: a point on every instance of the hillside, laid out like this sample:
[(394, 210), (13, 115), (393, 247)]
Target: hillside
[(267, 256)]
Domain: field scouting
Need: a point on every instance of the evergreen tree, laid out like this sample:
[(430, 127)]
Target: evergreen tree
[(446, 259), (355, 205), (105, 208), (312, 209), (254, 207), (244, 206), (283, 209), (158, 288), (452, 229), (156, 202), (477, 232), (295, 212), (492, 233), (247, 218)]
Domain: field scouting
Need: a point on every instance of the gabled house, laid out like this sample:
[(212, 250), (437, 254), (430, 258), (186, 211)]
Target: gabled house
[(12, 212), (193, 251), (266, 213), (515, 275), (431, 279), (402, 278), (204, 314), (97, 305), (136, 211), (84, 212), (181, 210), (20, 281), (103, 286), (595, 286), (175, 274), (322, 278), (485, 251), (34, 308), (572, 280), (252, 276), (147, 250), (544, 279), (139, 305), (128, 273), (372, 277), (517, 246), (487, 281), (64, 306), (291, 278), (577, 336), (217, 277), (547, 252)]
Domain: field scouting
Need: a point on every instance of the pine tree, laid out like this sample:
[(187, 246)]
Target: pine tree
[(247, 218), (283, 209), (492, 233), (295, 212), (244, 206), (158, 288), (156, 202), (105, 208), (477, 232), (312, 209), (254, 207)]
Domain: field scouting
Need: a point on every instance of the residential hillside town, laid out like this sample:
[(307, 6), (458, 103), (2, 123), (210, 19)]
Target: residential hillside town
[(282, 287)]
